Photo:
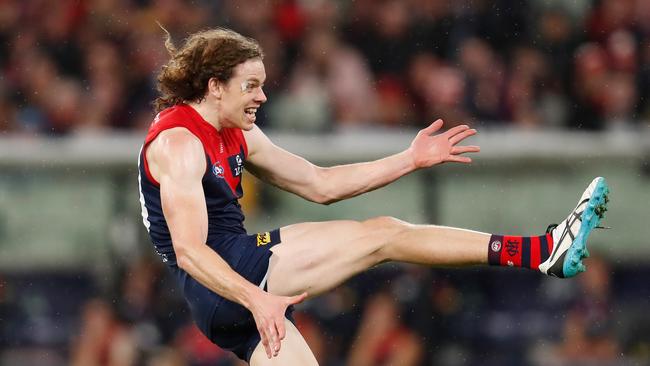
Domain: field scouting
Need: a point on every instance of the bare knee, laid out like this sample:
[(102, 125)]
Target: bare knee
[(386, 223), (385, 230)]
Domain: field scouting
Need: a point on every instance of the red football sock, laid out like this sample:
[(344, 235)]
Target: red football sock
[(519, 251)]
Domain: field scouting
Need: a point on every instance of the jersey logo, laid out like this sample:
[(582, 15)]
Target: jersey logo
[(217, 169), (263, 238)]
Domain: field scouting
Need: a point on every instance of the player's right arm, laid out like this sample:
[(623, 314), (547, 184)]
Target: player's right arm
[(177, 161)]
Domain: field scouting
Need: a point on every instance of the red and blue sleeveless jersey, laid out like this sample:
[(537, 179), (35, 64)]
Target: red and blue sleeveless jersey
[(225, 154)]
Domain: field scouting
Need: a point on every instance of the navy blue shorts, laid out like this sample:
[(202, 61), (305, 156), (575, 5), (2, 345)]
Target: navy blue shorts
[(228, 324)]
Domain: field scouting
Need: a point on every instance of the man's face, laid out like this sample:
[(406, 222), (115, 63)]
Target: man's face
[(242, 95)]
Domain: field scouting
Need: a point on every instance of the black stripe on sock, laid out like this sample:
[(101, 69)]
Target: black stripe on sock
[(543, 248), (525, 252), (494, 250)]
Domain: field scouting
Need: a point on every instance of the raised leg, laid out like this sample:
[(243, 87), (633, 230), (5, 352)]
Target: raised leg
[(317, 256)]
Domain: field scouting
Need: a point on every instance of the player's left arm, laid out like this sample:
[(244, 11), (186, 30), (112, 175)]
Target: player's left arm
[(330, 184)]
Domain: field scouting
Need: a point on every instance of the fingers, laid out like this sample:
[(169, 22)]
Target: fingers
[(461, 135), (275, 332), (265, 340), (270, 320), (270, 339), (435, 126), (455, 130), (297, 299), (282, 332), (459, 159), (454, 139), (464, 149), (275, 340)]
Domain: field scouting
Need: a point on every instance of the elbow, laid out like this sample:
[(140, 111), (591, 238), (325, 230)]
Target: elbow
[(183, 258), (326, 201), (323, 198), (182, 262), (321, 192)]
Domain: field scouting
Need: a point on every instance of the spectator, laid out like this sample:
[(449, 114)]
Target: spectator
[(382, 338), (589, 329), (102, 56), (102, 339)]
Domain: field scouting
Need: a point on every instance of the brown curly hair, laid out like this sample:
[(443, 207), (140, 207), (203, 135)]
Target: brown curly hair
[(208, 54)]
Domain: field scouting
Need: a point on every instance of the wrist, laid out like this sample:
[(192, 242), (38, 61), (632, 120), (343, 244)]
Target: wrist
[(249, 295), (409, 158)]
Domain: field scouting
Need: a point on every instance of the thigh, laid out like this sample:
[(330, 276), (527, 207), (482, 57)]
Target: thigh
[(317, 256), (294, 351)]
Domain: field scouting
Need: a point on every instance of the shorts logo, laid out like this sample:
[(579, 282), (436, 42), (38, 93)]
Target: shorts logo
[(496, 246), (263, 238), (217, 169)]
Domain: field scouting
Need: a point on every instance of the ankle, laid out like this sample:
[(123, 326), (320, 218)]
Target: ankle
[(519, 251)]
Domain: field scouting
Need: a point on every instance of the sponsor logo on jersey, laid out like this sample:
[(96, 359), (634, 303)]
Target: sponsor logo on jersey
[(263, 238), (217, 169), (496, 246), (236, 164)]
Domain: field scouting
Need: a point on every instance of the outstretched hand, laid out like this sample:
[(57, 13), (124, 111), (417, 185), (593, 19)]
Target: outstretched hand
[(428, 149), (268, 311)]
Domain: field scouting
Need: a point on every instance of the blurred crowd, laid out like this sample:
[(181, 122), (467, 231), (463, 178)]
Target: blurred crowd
[(88, 66)]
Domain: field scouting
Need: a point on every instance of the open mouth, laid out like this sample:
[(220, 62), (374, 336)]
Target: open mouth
[(250, 113)]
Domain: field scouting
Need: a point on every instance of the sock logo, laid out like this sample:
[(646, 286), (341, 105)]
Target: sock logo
[(496, 246), (512, 248)]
